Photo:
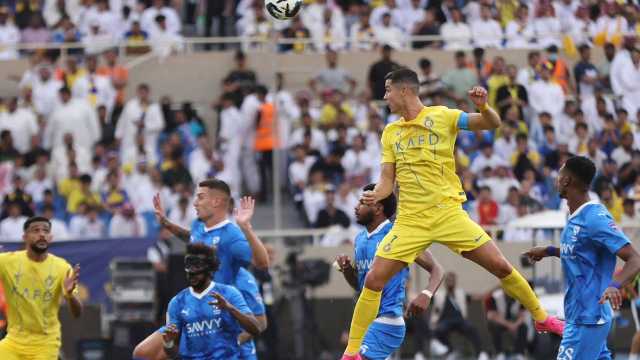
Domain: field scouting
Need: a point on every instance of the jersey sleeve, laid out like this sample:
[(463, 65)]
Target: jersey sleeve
[(240, 249), (173, 314), (457, 119), (605, 232), (234, 297), (254, 302), (388, 156)]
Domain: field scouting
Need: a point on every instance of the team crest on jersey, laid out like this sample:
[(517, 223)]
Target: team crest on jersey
[(215, 240), (428, 123), (613, 226)]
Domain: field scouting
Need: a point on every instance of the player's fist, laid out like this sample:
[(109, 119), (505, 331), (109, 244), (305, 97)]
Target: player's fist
[(478, 96), (170, 334), (613, 295), (536, 254), (417, 306), (369, 198), (344, 262), (219, 301)]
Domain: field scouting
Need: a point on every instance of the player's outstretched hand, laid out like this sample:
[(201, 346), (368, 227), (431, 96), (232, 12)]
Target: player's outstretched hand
[(369, 198), (613, 295), (478, 96), (71, 281), (170, 334), (344, 262), (244, 212), (536, 254), (417, 306), (219, 301), (158, 209)]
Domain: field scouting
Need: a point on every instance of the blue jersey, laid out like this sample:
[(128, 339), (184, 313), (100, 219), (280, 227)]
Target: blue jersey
[(207, 332), (393, 294), (248, 287), (233, 248), (588, 249)]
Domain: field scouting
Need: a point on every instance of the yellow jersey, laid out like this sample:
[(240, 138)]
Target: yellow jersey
[(422, 150), (33, 292)]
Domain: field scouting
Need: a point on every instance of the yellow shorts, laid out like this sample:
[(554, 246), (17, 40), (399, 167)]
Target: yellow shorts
[(10, 350), (448, 225)]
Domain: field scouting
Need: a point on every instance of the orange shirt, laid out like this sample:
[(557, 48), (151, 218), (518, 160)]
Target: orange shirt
[(118, 73)]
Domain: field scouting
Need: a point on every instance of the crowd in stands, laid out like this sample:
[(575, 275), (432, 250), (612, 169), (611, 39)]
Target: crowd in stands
[(322, 24)]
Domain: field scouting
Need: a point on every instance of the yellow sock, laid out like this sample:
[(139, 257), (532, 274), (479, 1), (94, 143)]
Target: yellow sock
[(364, 313), (518, 288)]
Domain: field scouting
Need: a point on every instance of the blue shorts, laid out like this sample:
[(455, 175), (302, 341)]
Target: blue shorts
[(381, 340), (248, 351), (585, 342)]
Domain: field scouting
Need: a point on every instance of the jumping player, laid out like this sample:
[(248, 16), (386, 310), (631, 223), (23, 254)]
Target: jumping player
[(418, 154), (386, 333), (589, 245)]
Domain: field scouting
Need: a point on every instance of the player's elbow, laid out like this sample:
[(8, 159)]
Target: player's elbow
[(261, 264)]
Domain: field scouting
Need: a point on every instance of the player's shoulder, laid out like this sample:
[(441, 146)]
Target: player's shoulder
[(58, 261), (226, 290), (595, 212)]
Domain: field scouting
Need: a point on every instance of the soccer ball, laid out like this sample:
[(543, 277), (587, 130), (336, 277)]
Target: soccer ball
[(283, 9)]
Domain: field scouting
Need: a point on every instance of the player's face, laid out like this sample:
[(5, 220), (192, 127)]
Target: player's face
[(197, 270), (562, 182), (37, 237), (364, 213), (393, 96), (205, 203)]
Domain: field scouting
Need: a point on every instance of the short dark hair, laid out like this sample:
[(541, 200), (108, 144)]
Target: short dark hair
[(424, 62), (209, 252), (581, 125), (460, 54), (85, 178), (582, 168), (216, 184), (522, 136), (65, 90), (404, 75), (261, 90), (389, 203), (35, 219), (628, 202), (548, 128)]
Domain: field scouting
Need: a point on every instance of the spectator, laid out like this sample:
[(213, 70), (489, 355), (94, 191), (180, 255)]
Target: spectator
[(11, 226), (22, 124), (36, 32), (506, 316), (611, 27), (59, 229), (586, 73), (486, 32), (9, 36), (136, 39), (547, 26), (460, 79), (622, 154), (500, 183), (546, 95), (486, 158), (119, 76), (331, 34), (333, 77), (414, 14), (149, 22), (486, 208), (425, 26), (96, 89), (18, 196), (266, 142), (95, 40), (519, 31), (604, 68), (184, 213), (82, 194), (431, 84), (314, 195), (379, 70), (505, 145), (524, 158), (511, 94), (630, 216), (527, 75), (630, 172), (86, 224), (456, 33), (8, 151), (560, 72), (331, 215), (44, 89), (388, 34), (163, 41), (396, 15), (66, 32), (297, 30), (126, 223), (299, 172), (449, 314), (579, 26), (357, 163), (115, 196), (612, 201), (40, 182), (72, 116), (108, 20), (496, 79), (140, 116)]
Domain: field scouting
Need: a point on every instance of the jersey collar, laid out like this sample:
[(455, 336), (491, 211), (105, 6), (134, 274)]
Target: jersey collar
[(217, 226), (204, 293), (378, 229), (578, 210)]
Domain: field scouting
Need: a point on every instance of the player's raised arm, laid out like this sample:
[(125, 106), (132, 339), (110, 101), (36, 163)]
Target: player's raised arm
[(384, 186), (436, 274), (243, 215), (487, 118), (629, 271), (70, 284), (345, 266), (161, 216)]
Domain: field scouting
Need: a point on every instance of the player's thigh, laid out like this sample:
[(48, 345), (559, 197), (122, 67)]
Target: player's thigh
[(457, 231), (404, 242), (382, 340), (9, 351), (584, 342), (44, 353), (150, 348)]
